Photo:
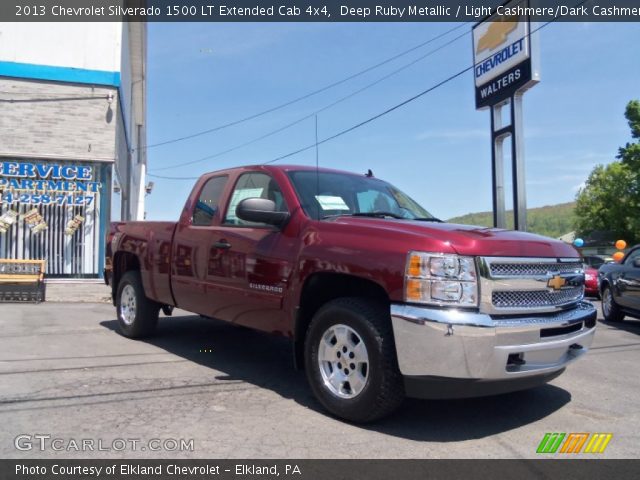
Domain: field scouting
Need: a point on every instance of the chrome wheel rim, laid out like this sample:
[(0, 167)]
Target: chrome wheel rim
[(606, 302), (128, 305), (343, 361)]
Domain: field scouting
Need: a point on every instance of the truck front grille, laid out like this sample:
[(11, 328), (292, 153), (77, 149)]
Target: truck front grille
[(536, 298), (533, 269), (517, 285)]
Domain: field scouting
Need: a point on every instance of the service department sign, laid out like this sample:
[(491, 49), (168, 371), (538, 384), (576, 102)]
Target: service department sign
[(47, 183), (502, 55)]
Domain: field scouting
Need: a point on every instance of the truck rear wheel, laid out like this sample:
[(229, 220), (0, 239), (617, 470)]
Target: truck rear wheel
[(350, 360), (137, 315)]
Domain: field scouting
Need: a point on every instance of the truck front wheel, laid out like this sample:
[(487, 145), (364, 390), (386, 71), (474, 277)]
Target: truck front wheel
[(350, 360), (137, 315)]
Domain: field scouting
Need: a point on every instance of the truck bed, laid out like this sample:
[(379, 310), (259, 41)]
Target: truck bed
[(151, 243)]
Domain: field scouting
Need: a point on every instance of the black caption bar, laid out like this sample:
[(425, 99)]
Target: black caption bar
[(312, 10), (317, 469)]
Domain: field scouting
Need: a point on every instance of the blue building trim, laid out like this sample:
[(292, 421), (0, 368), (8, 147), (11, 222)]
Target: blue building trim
[(59, 74)]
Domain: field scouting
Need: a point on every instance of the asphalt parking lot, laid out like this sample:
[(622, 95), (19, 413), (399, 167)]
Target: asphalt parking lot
[(66, 373)]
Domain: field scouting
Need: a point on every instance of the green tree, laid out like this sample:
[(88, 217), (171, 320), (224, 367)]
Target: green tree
[(610, 199), (605, 203), (630, 153)]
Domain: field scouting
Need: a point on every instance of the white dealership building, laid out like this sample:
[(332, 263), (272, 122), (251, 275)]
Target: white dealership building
[(72, 123)]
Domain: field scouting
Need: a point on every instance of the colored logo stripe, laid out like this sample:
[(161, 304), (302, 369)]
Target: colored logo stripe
[(573, 442), (598, 442), (550, 443)]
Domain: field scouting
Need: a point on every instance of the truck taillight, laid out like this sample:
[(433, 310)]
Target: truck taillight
[(441, 279)]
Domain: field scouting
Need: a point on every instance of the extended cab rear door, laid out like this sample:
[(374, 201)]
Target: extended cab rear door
[(192, 246)]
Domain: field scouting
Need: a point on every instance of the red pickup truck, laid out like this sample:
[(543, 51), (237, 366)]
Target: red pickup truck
[(381, 299)]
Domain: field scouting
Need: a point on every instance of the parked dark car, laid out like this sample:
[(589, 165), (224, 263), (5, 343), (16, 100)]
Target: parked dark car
[(620, 287)]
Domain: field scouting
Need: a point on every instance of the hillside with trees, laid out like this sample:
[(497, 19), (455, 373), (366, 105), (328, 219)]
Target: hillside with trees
[(551, 221)]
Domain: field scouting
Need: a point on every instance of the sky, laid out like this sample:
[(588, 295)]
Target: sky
[(437, 148)]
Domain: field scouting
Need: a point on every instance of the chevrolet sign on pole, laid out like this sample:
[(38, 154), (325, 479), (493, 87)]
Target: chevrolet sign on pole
[(502, 57), (505, 65)]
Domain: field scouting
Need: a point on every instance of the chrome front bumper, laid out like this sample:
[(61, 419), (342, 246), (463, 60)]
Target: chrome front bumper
[(456, 344)]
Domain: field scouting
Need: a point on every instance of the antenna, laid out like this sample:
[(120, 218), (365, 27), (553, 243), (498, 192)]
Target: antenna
[(317, 165)]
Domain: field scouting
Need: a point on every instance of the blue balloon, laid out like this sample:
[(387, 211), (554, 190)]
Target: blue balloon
[(578, 242)]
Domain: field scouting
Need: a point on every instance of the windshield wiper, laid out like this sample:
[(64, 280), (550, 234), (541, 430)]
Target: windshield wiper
[(378, 214), (381, 214), (367, 214)]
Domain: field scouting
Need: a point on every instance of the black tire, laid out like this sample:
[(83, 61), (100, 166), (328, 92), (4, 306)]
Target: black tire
[(137, 315), (383, 389), (613, 312)]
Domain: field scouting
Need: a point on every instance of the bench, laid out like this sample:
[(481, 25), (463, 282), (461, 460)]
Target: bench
[(22, 280)]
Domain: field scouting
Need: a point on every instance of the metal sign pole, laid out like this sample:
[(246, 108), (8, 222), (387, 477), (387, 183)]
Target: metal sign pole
[(517, 159), (498, 134), (497, 167), (506, 64)]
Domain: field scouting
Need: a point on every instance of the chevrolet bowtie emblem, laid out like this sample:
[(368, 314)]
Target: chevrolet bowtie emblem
[(497, 33), (556, 282)]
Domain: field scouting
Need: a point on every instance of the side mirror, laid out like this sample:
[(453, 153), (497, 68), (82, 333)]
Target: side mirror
[(261, 210), (636, 262)]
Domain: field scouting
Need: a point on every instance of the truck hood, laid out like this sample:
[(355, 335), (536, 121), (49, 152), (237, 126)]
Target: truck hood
[(464, 239)]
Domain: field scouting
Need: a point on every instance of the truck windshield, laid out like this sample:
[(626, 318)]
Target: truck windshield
[(329, 194)]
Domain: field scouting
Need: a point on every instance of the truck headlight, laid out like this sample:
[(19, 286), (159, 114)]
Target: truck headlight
[(439, 279)]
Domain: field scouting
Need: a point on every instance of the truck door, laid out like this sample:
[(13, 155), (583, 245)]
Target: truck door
[(249, 263), (191, 248)]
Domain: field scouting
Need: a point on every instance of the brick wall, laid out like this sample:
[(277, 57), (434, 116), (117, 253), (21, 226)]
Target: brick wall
[(44, 126)]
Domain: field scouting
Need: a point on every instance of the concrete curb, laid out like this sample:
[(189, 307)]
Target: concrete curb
[(78, 291)]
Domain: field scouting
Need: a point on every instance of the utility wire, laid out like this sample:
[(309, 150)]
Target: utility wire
[(54, 99), (171, 178), (371, 119), (395, 107), (375, 117), (303, 97), (316, 112), (350, 129), (45, 94)]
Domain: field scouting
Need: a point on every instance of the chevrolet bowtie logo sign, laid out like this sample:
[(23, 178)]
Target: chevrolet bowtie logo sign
[(497, 34), (556, 282)]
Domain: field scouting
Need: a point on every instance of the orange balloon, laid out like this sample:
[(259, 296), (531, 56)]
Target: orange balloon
[(621, 244), (618, 256)]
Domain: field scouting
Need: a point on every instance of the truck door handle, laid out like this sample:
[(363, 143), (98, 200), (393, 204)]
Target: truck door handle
[(222, 244)]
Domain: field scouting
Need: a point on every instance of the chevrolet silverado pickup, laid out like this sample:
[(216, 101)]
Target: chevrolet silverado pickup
[(380, 299)]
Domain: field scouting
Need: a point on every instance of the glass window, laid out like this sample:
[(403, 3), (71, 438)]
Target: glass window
[(327, 194), (207, 204), (253, 185), (632, 256)]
